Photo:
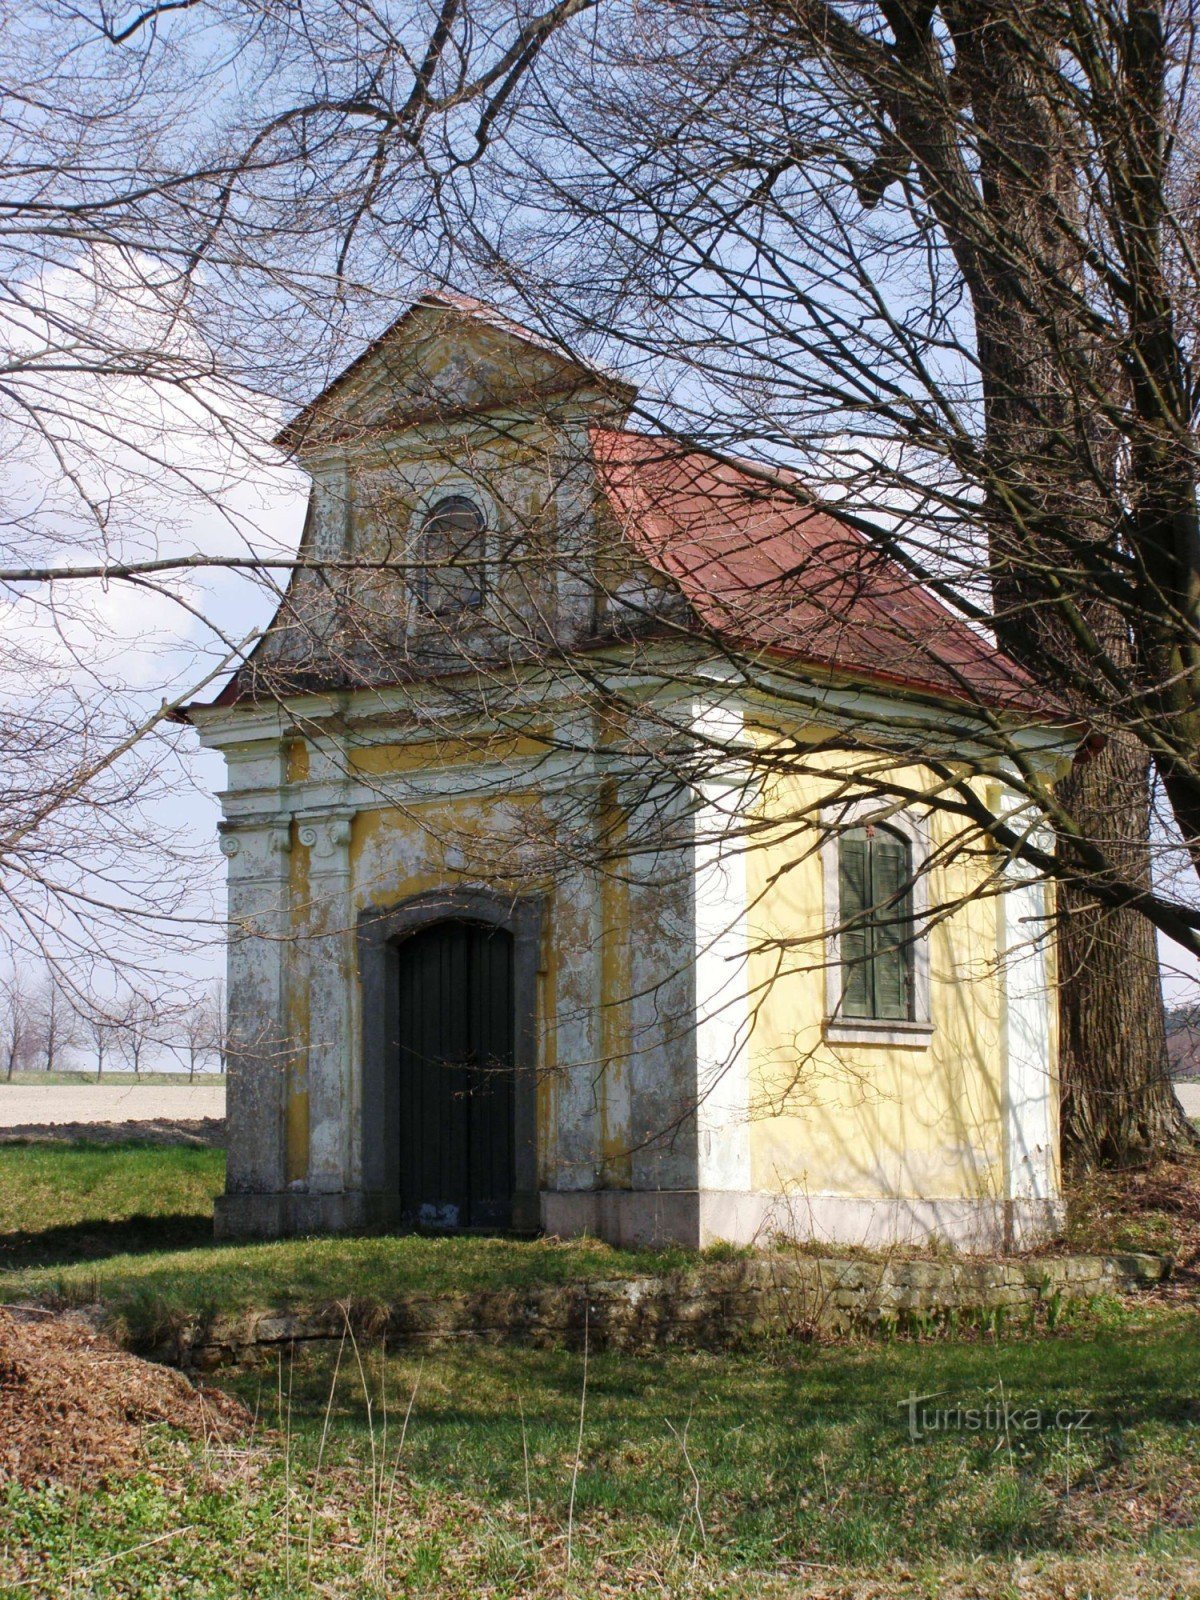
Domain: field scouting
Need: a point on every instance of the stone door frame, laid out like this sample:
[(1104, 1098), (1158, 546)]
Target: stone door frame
[(380, 933)]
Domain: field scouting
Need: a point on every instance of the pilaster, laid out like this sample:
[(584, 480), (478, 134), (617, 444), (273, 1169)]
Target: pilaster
[(662, 1061), (259, 1042), (1027, 1042), (721, 803), (329, 956)]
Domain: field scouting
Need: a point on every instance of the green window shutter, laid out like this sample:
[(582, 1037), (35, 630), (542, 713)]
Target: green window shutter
[(892, 917), (875, 924), (854, 933)]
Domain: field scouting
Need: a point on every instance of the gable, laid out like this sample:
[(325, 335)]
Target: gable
[(448, 356), (594, 534)]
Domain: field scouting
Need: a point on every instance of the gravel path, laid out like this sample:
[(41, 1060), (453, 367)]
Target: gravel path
[(22, 1104), (1189, 1097)]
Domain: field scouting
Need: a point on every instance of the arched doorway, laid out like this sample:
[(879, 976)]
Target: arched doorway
[(455, 1063)]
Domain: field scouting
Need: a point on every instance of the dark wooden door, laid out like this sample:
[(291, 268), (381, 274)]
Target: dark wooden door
[(456, 1077)]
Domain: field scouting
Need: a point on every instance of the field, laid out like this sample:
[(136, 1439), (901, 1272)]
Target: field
[(60, 1080), (474, 1470)]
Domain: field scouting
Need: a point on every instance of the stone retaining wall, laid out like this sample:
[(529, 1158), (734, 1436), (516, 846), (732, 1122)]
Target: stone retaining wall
[(713, 1305)]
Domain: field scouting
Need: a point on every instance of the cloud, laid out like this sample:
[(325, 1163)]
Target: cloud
[(120, 440)]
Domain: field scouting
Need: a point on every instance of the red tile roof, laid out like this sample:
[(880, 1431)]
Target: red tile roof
[(764, 572), (768, 575)]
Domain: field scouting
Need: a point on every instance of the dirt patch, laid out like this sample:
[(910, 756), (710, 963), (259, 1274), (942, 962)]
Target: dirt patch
[(74, 1406), (158, 1130), (1155, 1208)]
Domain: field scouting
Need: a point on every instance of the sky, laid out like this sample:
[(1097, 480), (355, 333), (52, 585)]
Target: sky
[(134, 469), (177, 473)]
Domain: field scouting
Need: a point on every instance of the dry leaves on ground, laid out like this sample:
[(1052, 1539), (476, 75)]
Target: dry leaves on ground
[(73, 1405)]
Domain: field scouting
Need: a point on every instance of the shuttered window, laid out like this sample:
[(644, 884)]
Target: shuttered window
[(450, 552), (875, 924)]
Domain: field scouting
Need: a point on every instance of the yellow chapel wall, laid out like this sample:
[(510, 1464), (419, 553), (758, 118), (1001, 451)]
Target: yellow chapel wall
[(921, 1120), (858, 1120)]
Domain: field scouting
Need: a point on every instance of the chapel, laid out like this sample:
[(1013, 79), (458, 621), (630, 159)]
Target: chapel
[(588, 862)]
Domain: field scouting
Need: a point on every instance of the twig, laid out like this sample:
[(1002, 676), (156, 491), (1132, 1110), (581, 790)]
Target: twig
[(387, 1510), (682, 1437), (525, 1453), (579, 1440), (312, 1505)]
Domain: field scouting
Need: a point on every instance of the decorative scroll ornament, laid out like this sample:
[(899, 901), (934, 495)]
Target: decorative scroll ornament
[(254, 840), (325, 836)]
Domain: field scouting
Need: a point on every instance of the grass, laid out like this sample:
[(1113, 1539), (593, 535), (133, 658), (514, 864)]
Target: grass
[(131, 1225), (42, 1080), (784, 1456), (83, 1203), (787, 1470), (160, 1288), (467, 1473)]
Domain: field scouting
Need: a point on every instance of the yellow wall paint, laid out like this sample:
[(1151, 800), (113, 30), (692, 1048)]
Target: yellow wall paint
[(296, 762), (855, 1120), (380, 759), (867, 1120)]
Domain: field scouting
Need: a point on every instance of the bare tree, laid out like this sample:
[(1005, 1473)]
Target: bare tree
[(137, 1020), (56, 1022), (18, 1024), (219, 1031), (100, 1030), (137, 240), (203, 1027)]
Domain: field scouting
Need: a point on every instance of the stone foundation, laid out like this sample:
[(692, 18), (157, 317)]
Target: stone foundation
[(714, 1305)]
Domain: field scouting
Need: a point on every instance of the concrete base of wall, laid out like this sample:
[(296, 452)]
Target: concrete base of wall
[(274, 1216), (695, 1218)]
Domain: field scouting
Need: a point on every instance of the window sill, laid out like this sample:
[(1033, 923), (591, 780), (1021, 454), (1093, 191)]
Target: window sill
[(862, 1030)]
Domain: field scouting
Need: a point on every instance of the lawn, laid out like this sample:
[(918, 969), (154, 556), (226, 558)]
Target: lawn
[(131, 1225), (476, 1470), (454, 1475), (85, 1203)]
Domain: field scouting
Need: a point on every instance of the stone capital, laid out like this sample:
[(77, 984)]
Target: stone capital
[(327, 836), (251, 846)]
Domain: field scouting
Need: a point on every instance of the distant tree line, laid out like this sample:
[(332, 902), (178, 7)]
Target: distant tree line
[(44, 1024)]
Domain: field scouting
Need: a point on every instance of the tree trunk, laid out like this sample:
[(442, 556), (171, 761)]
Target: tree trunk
[(1049, 453), (1118, 1104)]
